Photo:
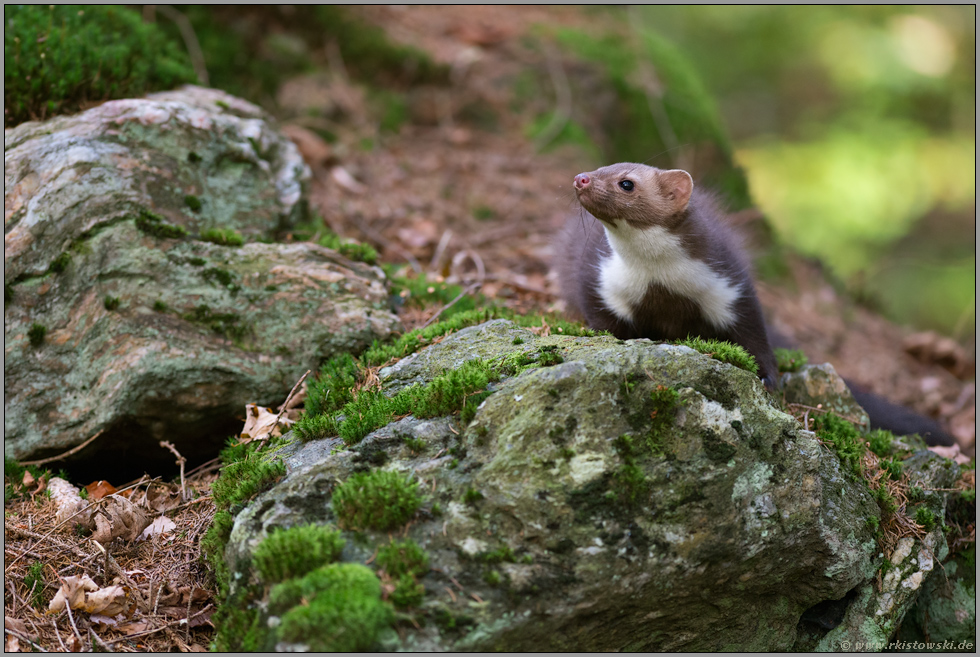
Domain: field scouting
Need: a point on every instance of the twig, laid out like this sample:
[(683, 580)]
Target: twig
[(64, 648), (190, 40), (282, 409), (98, 640), (180, 461), (21, 637), (161, 628), (440, 249), (472, 287), (71, 619), (70, 452), (481, 271)]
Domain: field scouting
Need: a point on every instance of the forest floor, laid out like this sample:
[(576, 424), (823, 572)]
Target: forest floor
[(473, 206)]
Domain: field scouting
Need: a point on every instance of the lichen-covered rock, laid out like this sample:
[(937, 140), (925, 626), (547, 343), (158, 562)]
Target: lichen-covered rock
[(820, 385), (635, 496), (147, 331)]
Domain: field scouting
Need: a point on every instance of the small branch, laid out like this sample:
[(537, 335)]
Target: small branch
[(21, 637), (71, 619), (449, 305), (159, 629), (180, 461), (70, 452), (285, 404)]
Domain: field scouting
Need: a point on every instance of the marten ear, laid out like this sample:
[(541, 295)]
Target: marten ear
[(677, 186)]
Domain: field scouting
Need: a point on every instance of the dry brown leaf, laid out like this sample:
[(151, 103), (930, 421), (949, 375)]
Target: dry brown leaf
[(12, 644), (193, 593), (72, 593), (42, 485), (160, 525), (311, 146), (260, 423), (162, 498), (196, 647), (76, 644), (117, 517), (133, 627), (14, 624), (99, 489), (344, 178), (28, 479)]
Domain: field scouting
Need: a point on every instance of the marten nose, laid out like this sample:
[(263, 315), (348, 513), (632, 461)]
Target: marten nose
[(582, 181)]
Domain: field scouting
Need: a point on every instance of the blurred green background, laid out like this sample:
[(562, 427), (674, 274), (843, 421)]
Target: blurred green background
[(856, 127)]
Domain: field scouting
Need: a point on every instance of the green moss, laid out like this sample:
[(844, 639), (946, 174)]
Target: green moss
[(726, 352), (484, 213), (153, 224), (492, 577), (417, 445), (58, 57), (331, 388), (379, 499), (790, 360), (886, 501), (194, 158), (193, 202), (111, 303), (222, 277), (500, 555), (8, 292), (628, 486), (36, 334), (213, 548), (844, 438), (222, 236), (60, 263), (34, 581), (408, 593), (241, 480), (664, 402), (894, 468), (160, 306), (313, 427), (403, 558), (349, 249), (472, 496), (880, 442), (447, 392), (226, 324), (335, 608), (471, 405), (926, 518), (293, 552)]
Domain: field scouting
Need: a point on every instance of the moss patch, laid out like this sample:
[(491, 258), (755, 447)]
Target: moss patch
[(376, 500), (222, 236), (726, 352), (789, 360), (336, 608), (153, 224), (293, 552), (36, 334), (57, 57)]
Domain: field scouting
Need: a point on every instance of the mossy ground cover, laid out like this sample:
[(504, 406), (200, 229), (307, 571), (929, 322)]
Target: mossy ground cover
[(59, 57)]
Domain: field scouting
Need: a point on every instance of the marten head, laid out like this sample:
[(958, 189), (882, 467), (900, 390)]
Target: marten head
[(641, 195)]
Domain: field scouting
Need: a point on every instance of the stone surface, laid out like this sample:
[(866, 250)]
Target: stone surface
[(200, 329), (745, 530)]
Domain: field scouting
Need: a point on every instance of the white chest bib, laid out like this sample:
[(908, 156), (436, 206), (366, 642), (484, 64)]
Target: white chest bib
[(642, 257)]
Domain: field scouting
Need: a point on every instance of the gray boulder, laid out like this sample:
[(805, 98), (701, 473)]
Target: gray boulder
[(717, 523), (121, 318)]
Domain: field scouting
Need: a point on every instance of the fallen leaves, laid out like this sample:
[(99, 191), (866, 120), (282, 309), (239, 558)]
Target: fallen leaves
[(262, 423), (83, 594)]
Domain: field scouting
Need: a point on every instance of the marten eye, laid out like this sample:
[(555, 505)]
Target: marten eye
[(626, 185)]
